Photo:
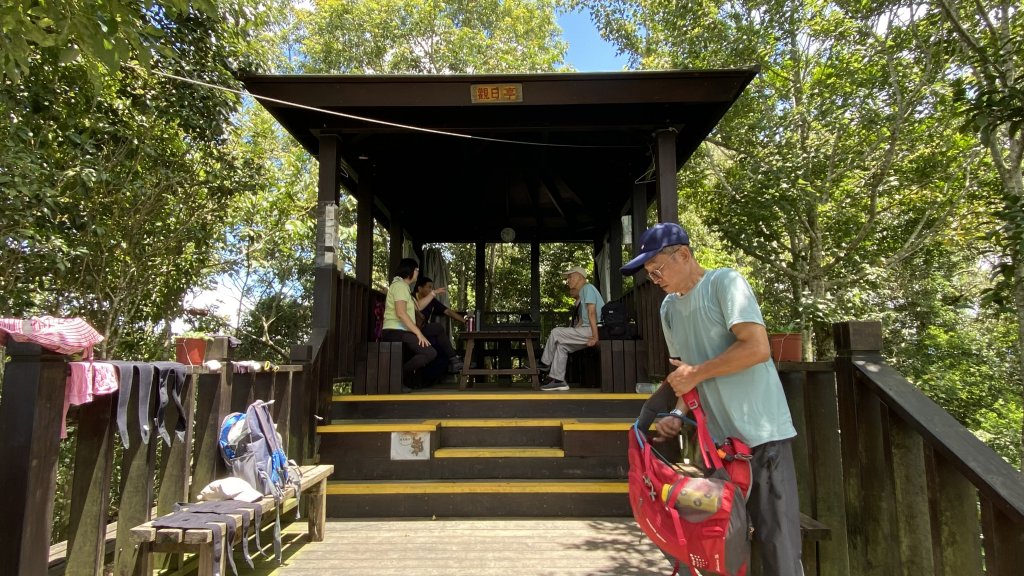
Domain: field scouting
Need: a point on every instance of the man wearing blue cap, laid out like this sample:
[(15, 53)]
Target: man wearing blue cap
[(718, 344)]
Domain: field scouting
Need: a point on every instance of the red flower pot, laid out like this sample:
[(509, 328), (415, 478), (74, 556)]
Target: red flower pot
[(786, 347), (190, 351)]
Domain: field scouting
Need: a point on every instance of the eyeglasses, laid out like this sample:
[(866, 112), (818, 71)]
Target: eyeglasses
[(656, 273)]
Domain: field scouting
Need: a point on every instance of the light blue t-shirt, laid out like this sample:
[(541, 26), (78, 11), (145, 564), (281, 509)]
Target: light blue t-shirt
[(749, 405), (589, 295)]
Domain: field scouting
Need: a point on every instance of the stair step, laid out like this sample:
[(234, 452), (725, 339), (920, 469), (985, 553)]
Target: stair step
[(471, 396), (478, 487), (477, 498), (498, 406), (501, 422), (430, 425), (359, 426), (500, 452)]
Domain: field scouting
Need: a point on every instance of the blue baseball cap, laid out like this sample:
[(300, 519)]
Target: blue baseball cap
[(653, 241)]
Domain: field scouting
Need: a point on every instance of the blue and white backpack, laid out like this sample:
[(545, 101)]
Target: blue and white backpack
[(252, 449)]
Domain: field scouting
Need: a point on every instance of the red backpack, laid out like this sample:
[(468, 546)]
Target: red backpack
[(700, 520)]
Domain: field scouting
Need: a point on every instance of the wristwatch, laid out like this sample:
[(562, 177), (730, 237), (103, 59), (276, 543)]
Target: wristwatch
[(677, 413)]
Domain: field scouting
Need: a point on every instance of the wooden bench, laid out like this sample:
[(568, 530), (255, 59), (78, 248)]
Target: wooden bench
[(312, 485), (615, 365)]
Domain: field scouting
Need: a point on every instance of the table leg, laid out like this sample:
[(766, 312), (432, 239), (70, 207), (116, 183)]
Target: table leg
[(466, 363), (532, 359)]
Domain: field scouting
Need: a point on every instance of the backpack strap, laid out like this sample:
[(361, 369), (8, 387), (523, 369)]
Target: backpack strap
[(712, 460)]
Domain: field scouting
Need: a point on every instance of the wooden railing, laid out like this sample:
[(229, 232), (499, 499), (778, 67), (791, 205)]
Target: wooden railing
[(903, 488), (154, 475), (922, 494)]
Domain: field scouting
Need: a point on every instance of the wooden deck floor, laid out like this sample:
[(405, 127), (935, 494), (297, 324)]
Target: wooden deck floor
[(470, 547)]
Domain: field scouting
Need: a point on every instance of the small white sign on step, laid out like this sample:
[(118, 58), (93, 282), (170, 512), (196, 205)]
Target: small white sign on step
[(410, 445)]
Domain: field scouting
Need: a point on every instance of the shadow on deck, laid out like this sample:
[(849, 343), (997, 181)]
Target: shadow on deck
[(472, 547)]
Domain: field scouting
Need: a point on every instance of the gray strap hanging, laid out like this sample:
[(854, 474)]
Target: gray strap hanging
[(171, 381), (130, 374)]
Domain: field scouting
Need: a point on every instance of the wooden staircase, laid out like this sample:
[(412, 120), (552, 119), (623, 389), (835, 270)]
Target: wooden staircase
[(479, 454)]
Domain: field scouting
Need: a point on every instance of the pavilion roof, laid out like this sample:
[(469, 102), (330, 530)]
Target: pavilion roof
[(554, 156)]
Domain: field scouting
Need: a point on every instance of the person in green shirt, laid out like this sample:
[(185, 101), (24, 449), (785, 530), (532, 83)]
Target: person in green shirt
[(400, 323)]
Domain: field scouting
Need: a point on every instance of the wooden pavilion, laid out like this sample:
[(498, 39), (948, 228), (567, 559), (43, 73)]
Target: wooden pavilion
[(552, 157)]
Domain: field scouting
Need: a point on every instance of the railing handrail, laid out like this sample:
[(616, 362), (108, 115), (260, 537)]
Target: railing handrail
[(997, 480)]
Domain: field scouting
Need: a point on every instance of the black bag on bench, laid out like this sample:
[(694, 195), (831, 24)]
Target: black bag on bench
[(617, 322)]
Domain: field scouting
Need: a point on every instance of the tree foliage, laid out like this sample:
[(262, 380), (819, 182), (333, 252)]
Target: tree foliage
[(117, 179), (989, 37), (431, 36), (840, 161)]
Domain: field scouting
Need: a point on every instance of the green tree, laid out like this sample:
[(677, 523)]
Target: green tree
[(116, 179), (431, 36), (990, 41), (266, 256), (840, 161)]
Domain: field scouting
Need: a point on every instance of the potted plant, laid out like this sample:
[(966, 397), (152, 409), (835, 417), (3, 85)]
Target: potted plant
[(190, 347), (787, 346)]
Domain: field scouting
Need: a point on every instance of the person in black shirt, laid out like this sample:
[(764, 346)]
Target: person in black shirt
[(430, 310)]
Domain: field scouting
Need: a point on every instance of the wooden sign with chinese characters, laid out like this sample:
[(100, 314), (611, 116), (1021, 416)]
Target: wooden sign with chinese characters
[(495, 93)]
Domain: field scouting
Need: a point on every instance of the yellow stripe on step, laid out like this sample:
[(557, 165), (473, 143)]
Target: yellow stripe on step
[(381, 427), (597, 426), (471, 396), (501, 422), (500, 452), (475, 487)]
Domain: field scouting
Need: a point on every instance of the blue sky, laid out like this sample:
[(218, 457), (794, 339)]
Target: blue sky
[(587, 51)]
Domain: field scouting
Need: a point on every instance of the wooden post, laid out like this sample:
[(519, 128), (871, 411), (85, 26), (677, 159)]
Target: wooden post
[(853, 340), (665, 175), (955, 501), (614, 259), (535, 281), (639, 214), (213, 402), (397, 234), (911, 484), (30, 418), (90, 489), (481, 274), (879, 502), (1004, 541), (325, 279), (364, 233), (829, 505), (138, 467)]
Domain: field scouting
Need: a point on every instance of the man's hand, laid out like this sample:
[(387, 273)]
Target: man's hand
[(668, 427), (684, 378)]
